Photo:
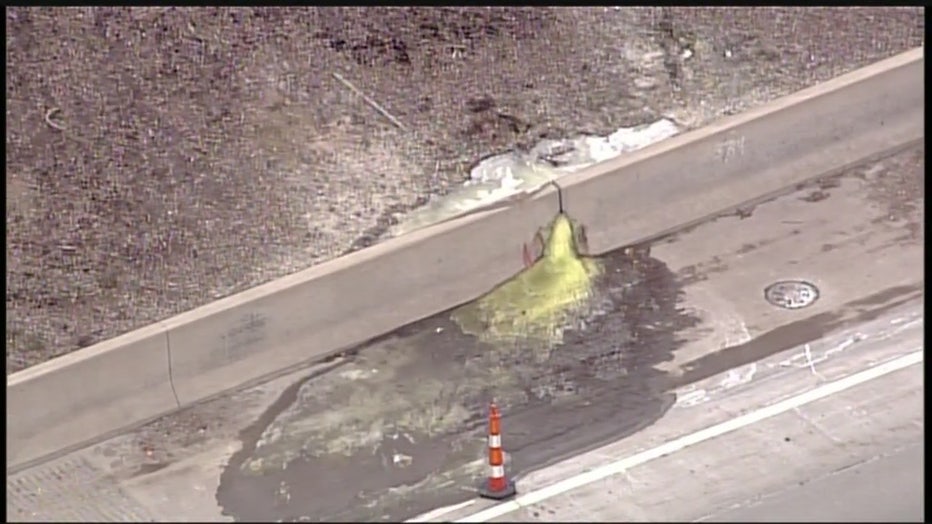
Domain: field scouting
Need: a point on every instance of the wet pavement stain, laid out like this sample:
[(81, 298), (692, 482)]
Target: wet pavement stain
[(796, 334), (400, 429)]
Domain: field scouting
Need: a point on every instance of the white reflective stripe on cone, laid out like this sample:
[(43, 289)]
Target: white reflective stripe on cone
[(495, 441), (498, 472)]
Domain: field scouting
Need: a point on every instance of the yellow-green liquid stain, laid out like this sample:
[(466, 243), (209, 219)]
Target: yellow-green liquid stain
[(541, 301)]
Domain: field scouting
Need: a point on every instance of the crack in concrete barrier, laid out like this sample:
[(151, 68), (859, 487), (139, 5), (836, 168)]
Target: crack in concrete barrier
[(559, 189), (171, 377)]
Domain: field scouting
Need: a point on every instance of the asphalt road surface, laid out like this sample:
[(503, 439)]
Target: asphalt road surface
[(397, 428), (839, 440), (836, 439), (887, 489)]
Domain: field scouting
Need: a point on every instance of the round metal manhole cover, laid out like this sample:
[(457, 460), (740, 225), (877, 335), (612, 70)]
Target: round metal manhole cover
[(791, 294)]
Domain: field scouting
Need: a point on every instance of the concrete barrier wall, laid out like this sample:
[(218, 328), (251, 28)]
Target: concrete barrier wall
[(333, 306), (82, 395), (352, 299), (308, 315), (699, 174)]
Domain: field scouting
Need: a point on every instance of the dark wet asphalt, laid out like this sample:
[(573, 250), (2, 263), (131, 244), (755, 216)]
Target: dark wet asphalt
[(600, 386)]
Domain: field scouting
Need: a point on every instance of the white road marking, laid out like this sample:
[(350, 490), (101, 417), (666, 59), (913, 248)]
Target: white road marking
[(692, 398), (620, 466), (811, 363), (735, 377), (439, 512), (826, 354)]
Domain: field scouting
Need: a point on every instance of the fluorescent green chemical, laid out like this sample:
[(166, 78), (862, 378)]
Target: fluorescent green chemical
[(539, 302)]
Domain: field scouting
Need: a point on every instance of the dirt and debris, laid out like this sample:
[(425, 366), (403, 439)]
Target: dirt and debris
[(897, 185), (159, 158)]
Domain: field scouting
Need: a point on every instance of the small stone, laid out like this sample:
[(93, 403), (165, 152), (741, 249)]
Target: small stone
[(401, 460)]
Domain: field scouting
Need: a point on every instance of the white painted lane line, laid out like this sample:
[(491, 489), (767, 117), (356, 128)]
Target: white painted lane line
[(439, 512), (678, 444)]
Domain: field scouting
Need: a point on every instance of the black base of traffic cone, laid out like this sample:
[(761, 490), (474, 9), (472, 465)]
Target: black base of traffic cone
[(508, 492)]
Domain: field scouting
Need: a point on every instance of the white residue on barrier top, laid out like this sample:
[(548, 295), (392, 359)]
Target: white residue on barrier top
[(511, 174)]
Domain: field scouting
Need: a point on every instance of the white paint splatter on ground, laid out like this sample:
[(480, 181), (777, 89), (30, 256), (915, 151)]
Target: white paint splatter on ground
[(739, 376)]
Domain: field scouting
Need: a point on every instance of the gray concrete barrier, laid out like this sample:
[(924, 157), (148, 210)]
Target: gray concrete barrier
[(341, 303), (694, 176), (82, 395)]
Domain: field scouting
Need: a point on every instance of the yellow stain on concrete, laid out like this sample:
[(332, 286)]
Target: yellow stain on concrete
[(539, 302), (366, 404)]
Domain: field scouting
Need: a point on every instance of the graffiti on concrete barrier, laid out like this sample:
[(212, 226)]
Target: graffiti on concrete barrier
[(245, 334), (731, 148)]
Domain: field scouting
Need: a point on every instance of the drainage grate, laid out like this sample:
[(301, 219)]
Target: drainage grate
[(791, 294), (70, 489)]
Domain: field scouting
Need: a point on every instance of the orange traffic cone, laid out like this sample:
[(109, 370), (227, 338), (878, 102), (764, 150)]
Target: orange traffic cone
[(498, 486)]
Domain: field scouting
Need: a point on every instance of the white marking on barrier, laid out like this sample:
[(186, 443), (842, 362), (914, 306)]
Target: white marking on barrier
[(731, 148)]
